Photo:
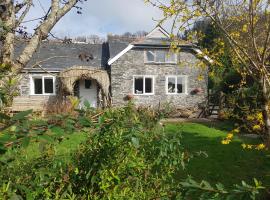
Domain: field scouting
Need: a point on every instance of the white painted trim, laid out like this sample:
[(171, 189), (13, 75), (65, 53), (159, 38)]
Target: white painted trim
[(160, 29), (176, 76), (32, 89), (198, 51), (115, 58), (143, 76)]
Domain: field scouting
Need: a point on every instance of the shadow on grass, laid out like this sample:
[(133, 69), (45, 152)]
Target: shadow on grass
[(228, 164)]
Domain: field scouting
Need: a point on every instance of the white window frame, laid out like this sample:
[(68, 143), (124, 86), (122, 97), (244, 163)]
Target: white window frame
[(185, 77), (43, 77), (144, 76), (155, 62)]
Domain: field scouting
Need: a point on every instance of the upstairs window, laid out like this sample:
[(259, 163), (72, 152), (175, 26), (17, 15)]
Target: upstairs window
[(43, 85), (176, 84), (143, 85), (160, 56)]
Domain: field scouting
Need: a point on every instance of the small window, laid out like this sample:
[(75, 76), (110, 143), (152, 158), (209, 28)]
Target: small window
[(143, 85), (170, 58), (87, 84), (160, 56), (48, 84), (150, 56), (38, 85), (43, 85), (138, 85), (176, 84)]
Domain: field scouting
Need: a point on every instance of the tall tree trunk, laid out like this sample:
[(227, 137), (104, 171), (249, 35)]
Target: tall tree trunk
[(265, 109), (8, 19)]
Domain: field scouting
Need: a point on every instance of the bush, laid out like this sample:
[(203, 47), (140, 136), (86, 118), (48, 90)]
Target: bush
[(129, 157)]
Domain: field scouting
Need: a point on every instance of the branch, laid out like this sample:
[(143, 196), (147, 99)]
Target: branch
[(28, 6), (42, 32), (252, 30), (67, 7), (19, 6)]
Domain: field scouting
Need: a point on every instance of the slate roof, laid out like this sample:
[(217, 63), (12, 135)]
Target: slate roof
[(56, 56), (116, 46)]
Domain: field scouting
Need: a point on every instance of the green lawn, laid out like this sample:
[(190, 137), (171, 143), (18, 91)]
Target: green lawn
[(63, 150), (228, 164)]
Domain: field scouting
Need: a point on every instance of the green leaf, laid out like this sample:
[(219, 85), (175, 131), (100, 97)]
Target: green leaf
[(135, 142), (47, 138), (25, 142), (21, 115), (58, 131), (86, 104), (4, 116)]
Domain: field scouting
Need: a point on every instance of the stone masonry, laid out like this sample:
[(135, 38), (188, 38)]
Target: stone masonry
[(132, 63)]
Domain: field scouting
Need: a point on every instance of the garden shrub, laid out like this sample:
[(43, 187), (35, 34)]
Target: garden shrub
[(129, 157)]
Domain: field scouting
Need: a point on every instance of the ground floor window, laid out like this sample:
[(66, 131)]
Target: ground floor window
[(42, 85), (143, 85), (176, 84)]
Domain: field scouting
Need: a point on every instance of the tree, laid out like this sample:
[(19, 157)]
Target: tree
[(12, 15), (244, 25)]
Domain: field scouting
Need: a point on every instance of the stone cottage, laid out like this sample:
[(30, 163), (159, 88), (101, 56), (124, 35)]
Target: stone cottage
[(145, 70)]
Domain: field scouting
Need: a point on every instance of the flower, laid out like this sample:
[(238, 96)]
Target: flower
[(256, 127), (229, 136), (249, 146), (236, 130), (250, 118), (260, 147), (226, 141), (244, 146)]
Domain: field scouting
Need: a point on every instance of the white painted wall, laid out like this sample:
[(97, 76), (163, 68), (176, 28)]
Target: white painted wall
[(88, 94)]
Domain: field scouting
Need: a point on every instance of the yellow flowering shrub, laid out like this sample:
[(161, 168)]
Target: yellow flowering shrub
[(256, 147), (230, 136)]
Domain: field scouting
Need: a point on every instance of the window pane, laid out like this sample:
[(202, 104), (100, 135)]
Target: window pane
[(150, 56), (148, 85), (160, 56), (38, 85), (48, 85), (87, 84), (171, 85), (171, 57), (138, 85), (180, 85)]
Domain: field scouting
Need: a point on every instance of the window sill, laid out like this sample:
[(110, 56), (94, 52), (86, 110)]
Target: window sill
[(160, 63), (147, 94), (179, 94), (42, 94)]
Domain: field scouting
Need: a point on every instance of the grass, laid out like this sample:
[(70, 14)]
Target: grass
[(228, 164), (63, 150)]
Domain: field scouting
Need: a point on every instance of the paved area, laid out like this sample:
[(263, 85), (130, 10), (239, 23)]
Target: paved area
[(195, 120)]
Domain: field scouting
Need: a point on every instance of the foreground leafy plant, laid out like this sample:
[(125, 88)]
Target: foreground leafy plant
[(129, 157), (203, 190)]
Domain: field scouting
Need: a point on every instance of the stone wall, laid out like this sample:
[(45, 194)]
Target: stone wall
[(26, 101), (132, 63)]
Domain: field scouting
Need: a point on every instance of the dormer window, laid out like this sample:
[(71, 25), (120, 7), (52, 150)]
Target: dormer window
[(160, 56)]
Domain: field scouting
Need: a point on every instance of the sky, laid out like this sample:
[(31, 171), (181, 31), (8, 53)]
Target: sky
[(101, 17)]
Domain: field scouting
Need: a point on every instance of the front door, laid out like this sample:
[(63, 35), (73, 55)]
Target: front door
[(88, 92)]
